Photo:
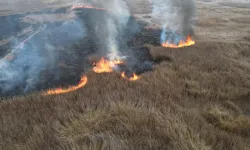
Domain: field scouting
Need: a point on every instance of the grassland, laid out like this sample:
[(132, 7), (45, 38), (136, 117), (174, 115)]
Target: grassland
[(197, 98)]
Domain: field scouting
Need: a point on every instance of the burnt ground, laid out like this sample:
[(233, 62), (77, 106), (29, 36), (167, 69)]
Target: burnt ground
[(71, 54)]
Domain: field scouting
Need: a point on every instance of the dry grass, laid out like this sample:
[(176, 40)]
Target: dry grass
[(198, 100), (226, 120)]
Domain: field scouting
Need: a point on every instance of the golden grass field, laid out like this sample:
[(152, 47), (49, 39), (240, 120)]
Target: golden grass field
[(197, 99)]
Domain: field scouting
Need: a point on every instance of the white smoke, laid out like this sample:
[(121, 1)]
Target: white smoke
[(119, 17), (38, 51), (175, 15), (28, 57), (116, 23)]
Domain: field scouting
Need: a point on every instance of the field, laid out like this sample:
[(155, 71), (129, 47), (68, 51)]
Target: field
[(195, 98)]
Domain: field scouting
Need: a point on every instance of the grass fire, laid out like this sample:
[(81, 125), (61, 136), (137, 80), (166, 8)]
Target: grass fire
[(133, 78), (187, 42), (56, 91), (105, 65), (124, 75)]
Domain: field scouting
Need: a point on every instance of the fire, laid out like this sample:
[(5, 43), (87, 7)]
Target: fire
[(56, 91), (133, 78), (188, 42), (105, 65), (86, 6)]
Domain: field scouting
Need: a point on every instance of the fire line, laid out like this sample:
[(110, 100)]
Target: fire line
[(56, 91), (186, 43), (105, 65), (133, 78)]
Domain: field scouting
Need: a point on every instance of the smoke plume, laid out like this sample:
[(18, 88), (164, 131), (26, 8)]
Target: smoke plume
[(174, 15), (115, 23), (38, 51), (35, 51)]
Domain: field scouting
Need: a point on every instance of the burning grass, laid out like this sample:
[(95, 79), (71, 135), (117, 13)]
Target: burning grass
[(105, 65), (81, 84), (187, 42), (70, 65), (139, 61), (134, 77)]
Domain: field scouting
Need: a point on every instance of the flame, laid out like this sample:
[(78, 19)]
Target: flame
[(188, 42), (105, 65), (133, 78), (86, 6), (56, 91)]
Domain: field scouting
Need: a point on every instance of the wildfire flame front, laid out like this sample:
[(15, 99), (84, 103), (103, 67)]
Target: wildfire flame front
[(56, 91), (188, 42), (105, 65), (133, 78)]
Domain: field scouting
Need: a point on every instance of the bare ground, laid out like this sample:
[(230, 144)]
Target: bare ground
[(198, 98)]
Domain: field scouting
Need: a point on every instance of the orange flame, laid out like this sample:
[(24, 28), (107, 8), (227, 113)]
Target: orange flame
[(81, 84), (106, 65), (188, 42), (86, 6), (133, 78)]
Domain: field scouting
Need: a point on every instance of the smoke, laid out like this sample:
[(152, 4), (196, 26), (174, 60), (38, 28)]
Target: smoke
[(25, 66), (40, 49), (115, 23), (35, 52), (119, 11), (174, 15)]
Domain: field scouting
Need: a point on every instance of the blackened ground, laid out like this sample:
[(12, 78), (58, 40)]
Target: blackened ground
[(71, 61)]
